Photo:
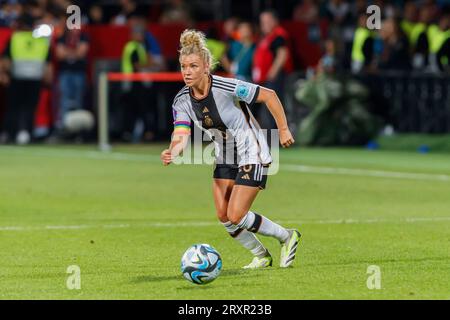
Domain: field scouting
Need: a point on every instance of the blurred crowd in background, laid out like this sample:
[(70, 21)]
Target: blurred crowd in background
[(253, 44)]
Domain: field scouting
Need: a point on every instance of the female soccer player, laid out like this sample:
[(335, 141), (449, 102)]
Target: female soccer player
[(220, 107)]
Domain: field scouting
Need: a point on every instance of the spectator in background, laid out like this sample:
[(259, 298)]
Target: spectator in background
[(230, 36), (139, 99), (440, 45), (307, 11), (154, 53), (272, 60), (363, 47), (341, 26), (95, 15), (149, 90), (33, 8), (177, 11), (230, 29), (9, 12), (27, 57), (388, 9), (356, 8), (52, 12), (71, 53), (409, 19), (239, 58), (432, 5), (328, 63), (128, 8), (420, 38), (217, 47), (395, 54), (338, 12)]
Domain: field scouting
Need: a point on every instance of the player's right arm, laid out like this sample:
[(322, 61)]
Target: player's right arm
[(177, 145), (180, 136)]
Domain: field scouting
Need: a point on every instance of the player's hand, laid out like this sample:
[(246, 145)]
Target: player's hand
[(286, 138), (166, 157)]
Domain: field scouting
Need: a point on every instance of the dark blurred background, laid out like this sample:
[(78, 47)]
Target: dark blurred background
[(340, 82)]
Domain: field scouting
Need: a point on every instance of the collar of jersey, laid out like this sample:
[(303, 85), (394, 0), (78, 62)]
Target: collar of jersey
[(209, 91)]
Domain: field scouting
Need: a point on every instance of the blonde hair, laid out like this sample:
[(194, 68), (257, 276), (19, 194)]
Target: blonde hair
[(194, 42)]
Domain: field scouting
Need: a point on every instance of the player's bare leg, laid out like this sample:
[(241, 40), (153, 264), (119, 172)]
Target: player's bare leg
[(222, 192), (222, 189)]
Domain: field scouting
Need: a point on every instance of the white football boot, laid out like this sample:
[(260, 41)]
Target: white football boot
[(258, 263), (289, 249)]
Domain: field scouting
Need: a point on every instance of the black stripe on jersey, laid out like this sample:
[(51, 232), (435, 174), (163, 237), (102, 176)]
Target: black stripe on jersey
[(223, 88), (183, 89), (181, 92), (244, 109), (224, 81), (229, 85)]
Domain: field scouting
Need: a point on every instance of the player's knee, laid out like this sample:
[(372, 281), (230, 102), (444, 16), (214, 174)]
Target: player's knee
[(222, 215), (234, 219), (234, 216)]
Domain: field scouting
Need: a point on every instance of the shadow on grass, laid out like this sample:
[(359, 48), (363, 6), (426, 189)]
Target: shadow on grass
[(224, 273)]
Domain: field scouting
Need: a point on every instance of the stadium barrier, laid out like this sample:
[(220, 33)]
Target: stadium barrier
[(414, 102), (103, 106), (411, 102)]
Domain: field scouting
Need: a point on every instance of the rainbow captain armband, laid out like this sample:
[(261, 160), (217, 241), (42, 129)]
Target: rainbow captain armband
[(182, 128)]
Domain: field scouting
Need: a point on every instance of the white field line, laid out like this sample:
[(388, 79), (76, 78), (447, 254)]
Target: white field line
[(209, 224), (367, 173), (73, 153), (117, 156)]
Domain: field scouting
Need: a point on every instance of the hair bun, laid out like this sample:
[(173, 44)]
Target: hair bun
[(192, 38)]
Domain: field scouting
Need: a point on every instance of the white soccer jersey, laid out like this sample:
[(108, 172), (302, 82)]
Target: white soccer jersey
[(225, 115)]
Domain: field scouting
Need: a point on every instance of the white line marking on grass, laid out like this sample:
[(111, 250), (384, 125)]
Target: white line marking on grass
[(73, 153), (366, 173), (117, 156), (366, 221), (209, 224), (67, 227)]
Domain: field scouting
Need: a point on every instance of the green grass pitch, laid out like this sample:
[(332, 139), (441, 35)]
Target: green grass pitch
[(126, 220)]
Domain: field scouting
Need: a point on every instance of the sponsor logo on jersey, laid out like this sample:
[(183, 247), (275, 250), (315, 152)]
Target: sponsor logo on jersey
[(246, 177), (205, 110)]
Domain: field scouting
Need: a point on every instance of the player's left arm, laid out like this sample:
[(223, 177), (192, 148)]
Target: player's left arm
[(273, 103)]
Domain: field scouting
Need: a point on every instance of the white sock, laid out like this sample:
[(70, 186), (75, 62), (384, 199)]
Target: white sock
[(256, 223), (247, 239)]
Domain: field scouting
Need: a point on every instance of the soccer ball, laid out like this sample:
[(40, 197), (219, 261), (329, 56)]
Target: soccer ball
[(201, 264)]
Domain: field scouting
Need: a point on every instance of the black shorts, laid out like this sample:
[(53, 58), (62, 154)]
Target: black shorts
[(253, 175)]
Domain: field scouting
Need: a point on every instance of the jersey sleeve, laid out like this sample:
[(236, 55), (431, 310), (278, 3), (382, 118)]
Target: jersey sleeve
[(246, 91), (181, 120)]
